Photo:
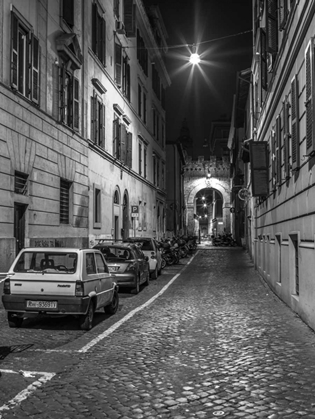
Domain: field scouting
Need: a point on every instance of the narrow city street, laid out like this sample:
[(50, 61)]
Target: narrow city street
[(207, 339)]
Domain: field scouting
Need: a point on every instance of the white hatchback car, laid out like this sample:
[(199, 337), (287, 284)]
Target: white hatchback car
[(149, 248), (59, 281)]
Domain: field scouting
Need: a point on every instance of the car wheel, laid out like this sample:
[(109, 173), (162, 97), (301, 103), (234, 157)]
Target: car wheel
[(14, 321), (113, 306), (154, 275), (137, 288), (86, 321)]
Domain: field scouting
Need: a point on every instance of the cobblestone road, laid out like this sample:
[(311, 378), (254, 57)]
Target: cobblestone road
[(216, 344)]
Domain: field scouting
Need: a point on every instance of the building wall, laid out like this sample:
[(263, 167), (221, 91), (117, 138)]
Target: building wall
[(284, 222), (48, 140)]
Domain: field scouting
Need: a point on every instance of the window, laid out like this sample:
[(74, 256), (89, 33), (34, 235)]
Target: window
[(295, 124), (68, 98), (122, 143), (118, 64), (163, 135), (286, 137), (25, 53), (145, 162), (98, 33), (139, 101), (140, 159), (142, 53), (97, 207), (20, 183), (156, 84), (65, 187), (144, 107), (90, 263), (309, 97), (154, 170), (126, 78), (97, 121), (129, 17), (278, 151), (68, 12), (116, 9), (156, 124)]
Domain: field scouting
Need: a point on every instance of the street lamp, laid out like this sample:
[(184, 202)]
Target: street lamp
[(194, 57)]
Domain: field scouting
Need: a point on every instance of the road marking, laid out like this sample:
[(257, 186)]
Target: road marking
[(44, 377), (133, 312)]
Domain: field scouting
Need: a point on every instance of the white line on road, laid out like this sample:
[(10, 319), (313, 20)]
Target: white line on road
[(44, 377), (132, 313)]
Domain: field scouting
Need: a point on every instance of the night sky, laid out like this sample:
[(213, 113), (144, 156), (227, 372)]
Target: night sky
[(206, 93)]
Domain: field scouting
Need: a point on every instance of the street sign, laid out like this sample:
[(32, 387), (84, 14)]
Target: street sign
[(214, 220), (232, 209), (134, 211)]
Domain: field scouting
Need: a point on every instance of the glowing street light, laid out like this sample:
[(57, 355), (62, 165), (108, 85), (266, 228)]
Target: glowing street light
[(194, 57)]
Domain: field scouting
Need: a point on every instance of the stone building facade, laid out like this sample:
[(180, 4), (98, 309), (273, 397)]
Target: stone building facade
[(82, 122)]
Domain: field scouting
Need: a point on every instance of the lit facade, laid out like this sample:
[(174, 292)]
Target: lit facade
[(82, 123)]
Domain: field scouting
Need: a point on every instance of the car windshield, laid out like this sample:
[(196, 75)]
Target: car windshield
[(116, 252), (52, 262)]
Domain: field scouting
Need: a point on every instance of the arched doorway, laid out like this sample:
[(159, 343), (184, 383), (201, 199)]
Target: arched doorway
[(116, 214), (209, 211), (126, 223)]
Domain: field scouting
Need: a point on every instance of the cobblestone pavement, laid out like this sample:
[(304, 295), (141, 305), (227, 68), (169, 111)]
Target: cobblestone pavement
[(216, 344)]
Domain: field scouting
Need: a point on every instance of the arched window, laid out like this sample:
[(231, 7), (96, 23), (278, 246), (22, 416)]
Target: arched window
[(116, 197)]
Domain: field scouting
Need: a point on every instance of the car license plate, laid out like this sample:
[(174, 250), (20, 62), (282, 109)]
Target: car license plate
[(41, 304), (115, 268)]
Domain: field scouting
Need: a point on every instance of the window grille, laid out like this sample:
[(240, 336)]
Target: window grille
[(64, 201), (20, 183)]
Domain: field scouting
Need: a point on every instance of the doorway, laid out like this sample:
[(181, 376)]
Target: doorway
[(19, 226)]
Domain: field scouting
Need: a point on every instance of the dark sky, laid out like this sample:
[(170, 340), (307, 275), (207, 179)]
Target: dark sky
[(206, 93)]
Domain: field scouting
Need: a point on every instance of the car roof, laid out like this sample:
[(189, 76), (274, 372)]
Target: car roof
[(112, 245), (139, 238), (54, 249)]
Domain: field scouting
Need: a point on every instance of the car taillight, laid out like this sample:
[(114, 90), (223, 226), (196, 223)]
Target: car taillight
[(153, 255), (6, 287), (79, 289)]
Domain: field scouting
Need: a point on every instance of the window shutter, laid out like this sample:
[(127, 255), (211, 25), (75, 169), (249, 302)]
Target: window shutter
[(129, 18), (118, 57), (273, 160), (35, 70), (14, 56), (62, 82), (93, 118), (139, 100), (94, 27), (129, 150), (128, 83), (278, 148), (286, 138), (103, 42), (263, 64), (309, 103), (123, 144), (283, 13), (272, 26), (295, 124), (116, 138), (102, 126)]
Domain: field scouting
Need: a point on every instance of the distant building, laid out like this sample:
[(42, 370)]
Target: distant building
[(82, 123)]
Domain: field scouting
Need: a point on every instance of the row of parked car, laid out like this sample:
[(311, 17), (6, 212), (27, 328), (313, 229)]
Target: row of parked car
[(68, 281)]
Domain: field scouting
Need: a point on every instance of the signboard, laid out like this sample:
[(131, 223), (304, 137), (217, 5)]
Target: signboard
[(259, 168), (134, 211), (214, 220)]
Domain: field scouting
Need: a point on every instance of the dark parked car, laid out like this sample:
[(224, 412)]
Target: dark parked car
[(127, 262), (150, 249)]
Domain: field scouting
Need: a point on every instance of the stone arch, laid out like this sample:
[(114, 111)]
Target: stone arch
[(192, 187)]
